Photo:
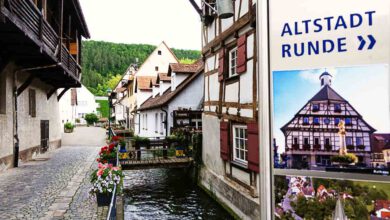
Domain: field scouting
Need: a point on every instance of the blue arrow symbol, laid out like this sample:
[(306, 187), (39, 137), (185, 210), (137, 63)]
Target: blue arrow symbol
[(362, 42), (372, 43)]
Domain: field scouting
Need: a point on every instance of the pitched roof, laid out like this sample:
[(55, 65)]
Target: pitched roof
[(185, 68), (327, 93), (143, 82), (165, 98), (163, 77)]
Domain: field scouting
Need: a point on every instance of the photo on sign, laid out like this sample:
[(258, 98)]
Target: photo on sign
[(301, 197), (332, 119)]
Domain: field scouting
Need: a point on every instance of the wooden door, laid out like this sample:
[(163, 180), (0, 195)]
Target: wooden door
[(44, 135)]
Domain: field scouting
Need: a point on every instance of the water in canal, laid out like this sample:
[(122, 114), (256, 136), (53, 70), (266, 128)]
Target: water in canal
[(167, 194)]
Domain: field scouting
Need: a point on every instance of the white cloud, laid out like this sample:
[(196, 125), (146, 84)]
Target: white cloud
[(313, 75)]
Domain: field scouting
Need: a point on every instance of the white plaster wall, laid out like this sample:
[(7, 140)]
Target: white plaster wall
[(29, 127), (67, 111), (151, 128), (177, 79), (231, 92), (211, 153), (142, 96), (85, 102), (164, 86), (162, 61), (246, 84), (214, 87)]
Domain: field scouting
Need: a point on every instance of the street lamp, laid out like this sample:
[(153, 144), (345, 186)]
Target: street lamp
[(109, 92)]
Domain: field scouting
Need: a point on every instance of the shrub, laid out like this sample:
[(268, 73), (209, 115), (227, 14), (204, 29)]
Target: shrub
[(68, 125), (348, 158), (141, 140), (77, 120), (91, 118)]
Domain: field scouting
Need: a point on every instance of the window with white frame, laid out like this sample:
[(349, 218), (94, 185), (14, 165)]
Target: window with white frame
[(240, 143), (156, 123), (161, 123), (232, 62)]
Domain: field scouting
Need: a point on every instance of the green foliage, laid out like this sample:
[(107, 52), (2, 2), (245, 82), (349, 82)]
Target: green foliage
[(141, 140), (68, 125), (348, 158), (103, 61), (91, 118), (187, 61), (103, 109)]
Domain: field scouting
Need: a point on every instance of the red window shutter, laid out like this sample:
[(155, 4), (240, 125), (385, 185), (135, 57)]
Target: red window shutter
[(253, 146), (241, 54), (221, 67), (224, 141)]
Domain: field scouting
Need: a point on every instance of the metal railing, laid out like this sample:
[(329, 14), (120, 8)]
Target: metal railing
[(112, 208)]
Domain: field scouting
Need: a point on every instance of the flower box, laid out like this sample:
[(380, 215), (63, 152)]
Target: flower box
[(350, 147), (361, 147), (103, 199)]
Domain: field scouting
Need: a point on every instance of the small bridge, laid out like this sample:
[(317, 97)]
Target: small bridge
[(155, 154)]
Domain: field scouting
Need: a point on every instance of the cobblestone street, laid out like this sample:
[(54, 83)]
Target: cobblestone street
[(54, 185)]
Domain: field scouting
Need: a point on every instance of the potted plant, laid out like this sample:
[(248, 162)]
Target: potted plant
[(346, 159), (107, 154), (104, 179), (68, 127)]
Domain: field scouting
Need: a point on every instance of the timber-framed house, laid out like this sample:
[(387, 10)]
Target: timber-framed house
[(230, 128)]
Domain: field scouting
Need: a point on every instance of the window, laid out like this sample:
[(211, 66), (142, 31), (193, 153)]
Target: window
[(159, 52), (316, 141), (32, 108), (348, 141), (348, 121), (306, 141), (316, 121), (240, 142), (161, 123), (327, 121), (3, 93), (295, 140), (316, 107), (156, 68), (327, 141), (146, 121), (156, 123), (359, 141), (305, 120), (232, 62), (337, 107), (336, 121)]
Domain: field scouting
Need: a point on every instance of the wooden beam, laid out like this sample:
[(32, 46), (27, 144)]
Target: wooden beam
[(51, 92), (62, 93), (61, 29), (196, 6), (26, 83)]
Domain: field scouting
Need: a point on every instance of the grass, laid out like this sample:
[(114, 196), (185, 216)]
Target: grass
[(378, 185)]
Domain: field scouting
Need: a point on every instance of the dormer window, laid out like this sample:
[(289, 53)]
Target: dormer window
[(337, 108), (316, 107)]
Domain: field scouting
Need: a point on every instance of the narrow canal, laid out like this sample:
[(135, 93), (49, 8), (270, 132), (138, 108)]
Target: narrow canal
[(167, 194)]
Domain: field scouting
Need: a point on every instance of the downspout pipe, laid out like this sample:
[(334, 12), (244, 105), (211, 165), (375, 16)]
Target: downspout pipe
[(165, 121), (15, 112)]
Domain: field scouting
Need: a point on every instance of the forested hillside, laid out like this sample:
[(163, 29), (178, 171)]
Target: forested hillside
[(103, 62)]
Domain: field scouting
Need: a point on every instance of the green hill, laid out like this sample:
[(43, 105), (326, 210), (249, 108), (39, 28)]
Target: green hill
[(104, 62)]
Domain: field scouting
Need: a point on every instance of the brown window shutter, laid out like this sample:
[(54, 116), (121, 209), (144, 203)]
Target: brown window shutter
[(224, 141), (241, 54), (253, 146), (30, 102), (221, 67)]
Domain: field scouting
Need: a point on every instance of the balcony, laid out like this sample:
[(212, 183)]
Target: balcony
[(32, 41)]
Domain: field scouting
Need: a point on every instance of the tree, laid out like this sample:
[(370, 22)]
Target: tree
[(91, 118)]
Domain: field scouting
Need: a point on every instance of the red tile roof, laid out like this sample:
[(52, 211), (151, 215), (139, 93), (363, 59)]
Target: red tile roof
[(165, 98), (143, 82), (163, 77), (185, 68)]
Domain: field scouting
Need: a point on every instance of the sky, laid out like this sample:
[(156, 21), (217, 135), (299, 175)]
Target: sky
[(144, 21), (366, 88)]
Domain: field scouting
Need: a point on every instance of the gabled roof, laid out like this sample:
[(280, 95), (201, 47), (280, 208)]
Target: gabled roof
[(327, 93), (168, 95), (163, 77), (81, 18), (184, 68), (143, 82)]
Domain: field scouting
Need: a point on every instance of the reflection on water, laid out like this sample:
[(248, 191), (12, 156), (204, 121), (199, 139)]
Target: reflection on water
[(167, 194)]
